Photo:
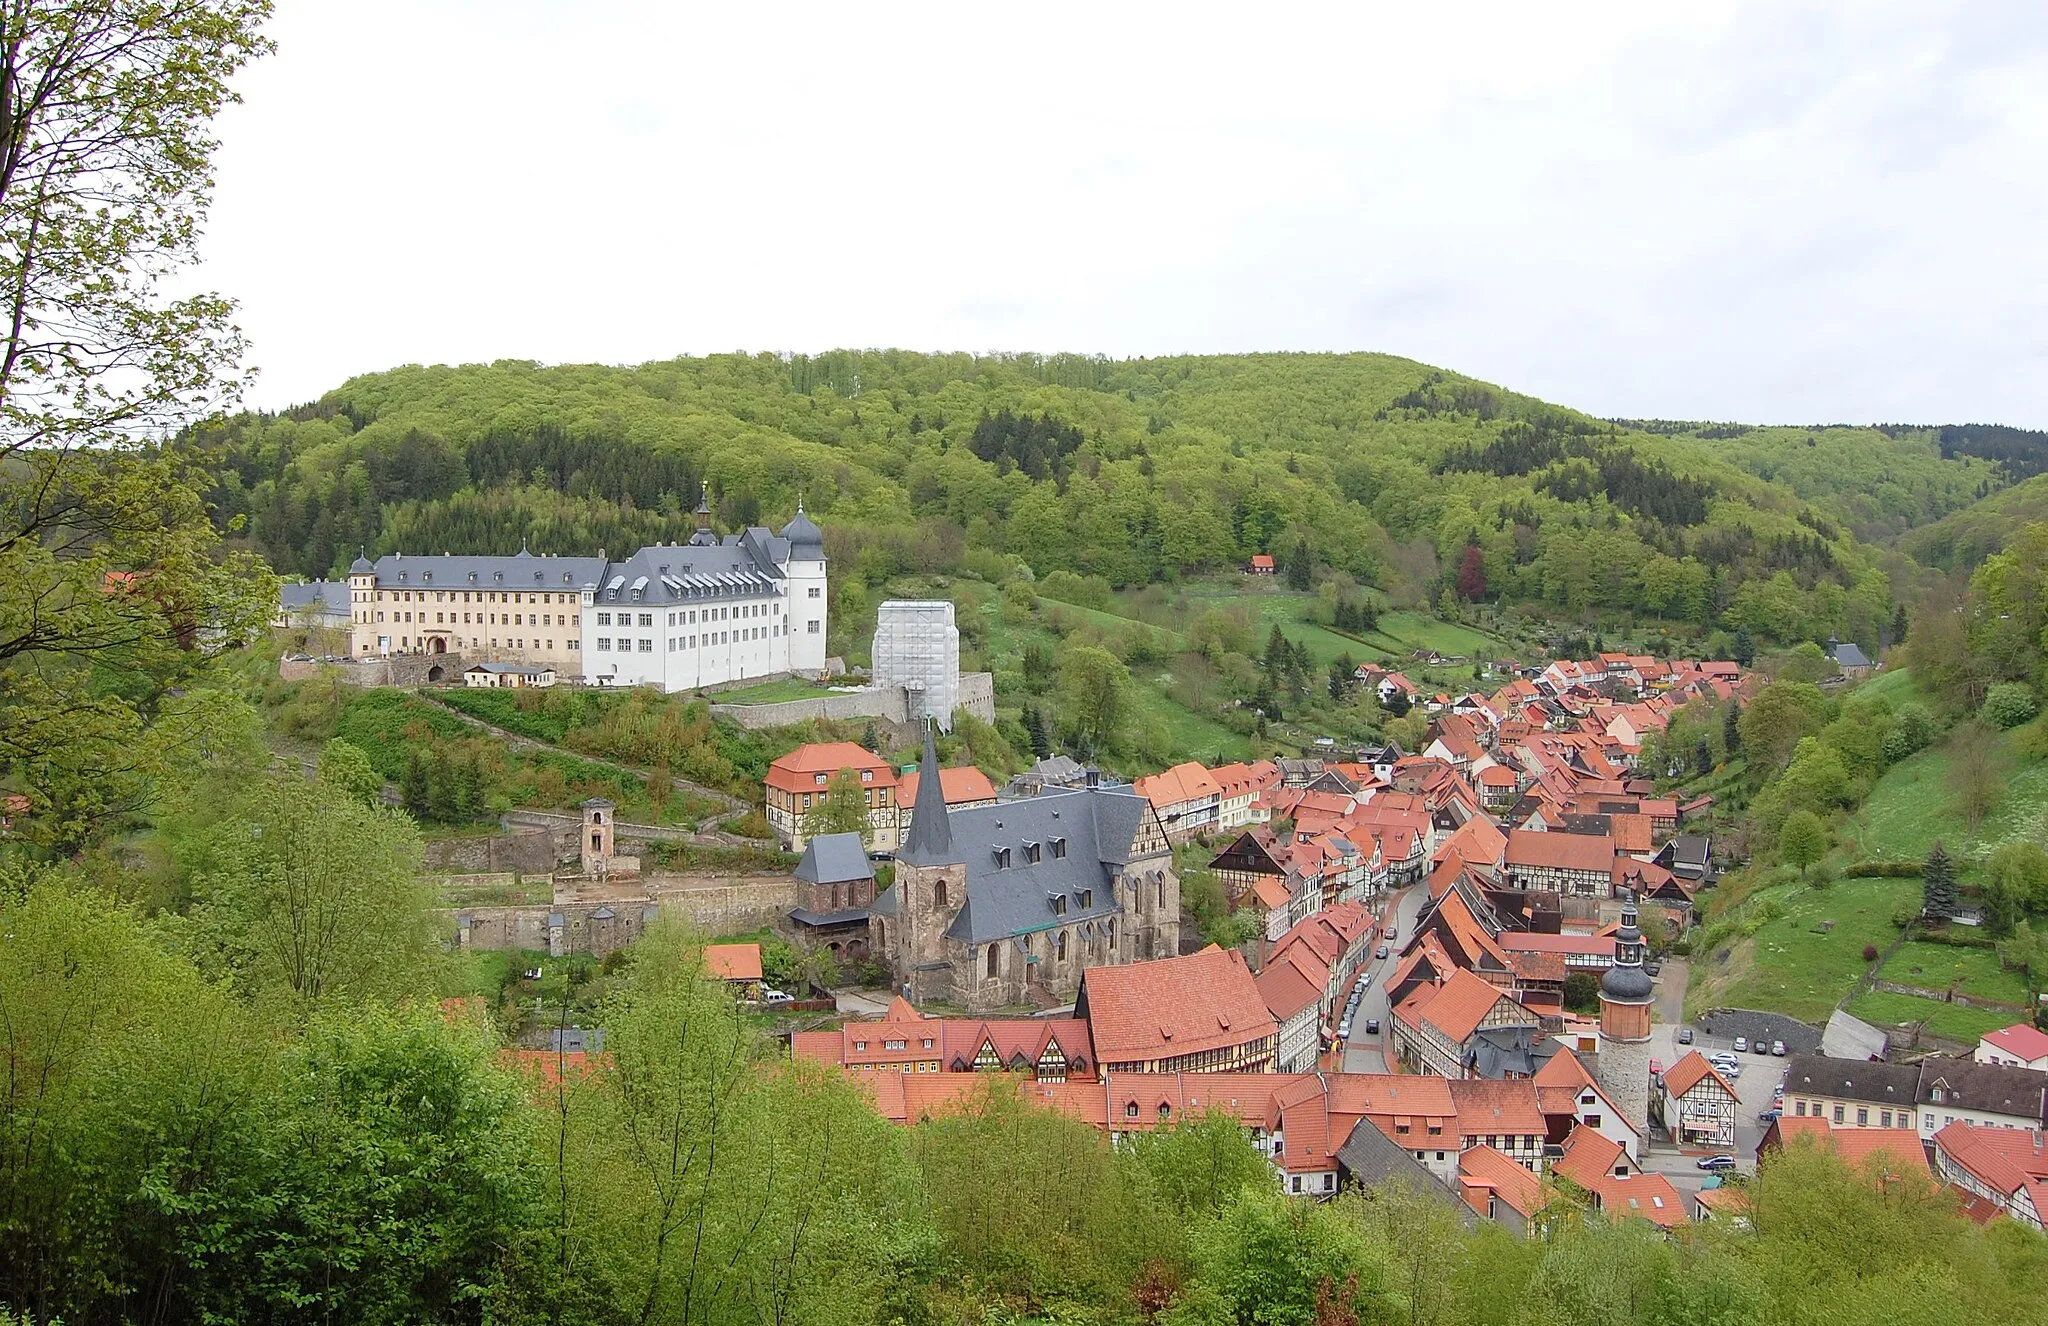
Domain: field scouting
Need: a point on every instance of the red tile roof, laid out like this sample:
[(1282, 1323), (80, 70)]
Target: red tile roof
[(1589, 1157), (2005, 1159), (1559, 851), (1650, 1196), (1489, 1108), (1486, 1173), (963, 786), (1689, 1072), (1290, 983), (2022, 1041), (1459, 1005), (1149, 1011), (1177, 786), (798, 770), (733, 962)]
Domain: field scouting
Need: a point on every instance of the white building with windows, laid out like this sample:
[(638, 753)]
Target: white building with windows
[(679, 616), (686, 615)]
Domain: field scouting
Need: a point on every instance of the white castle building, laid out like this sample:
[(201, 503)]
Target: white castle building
[(678, 615)]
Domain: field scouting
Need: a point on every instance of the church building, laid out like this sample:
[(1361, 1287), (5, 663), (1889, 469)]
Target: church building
[(1005, 904)]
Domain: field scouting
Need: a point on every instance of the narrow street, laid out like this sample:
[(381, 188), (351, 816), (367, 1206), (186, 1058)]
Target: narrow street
[(1364, 1053)]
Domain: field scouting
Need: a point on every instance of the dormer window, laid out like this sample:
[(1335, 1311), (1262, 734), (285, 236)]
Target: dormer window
[(1131, 1109), (1059, 848), (472, 577), (1002, 855), (401, 577), (497, 577), (426, 577), (1087, 899), (1059, 904), (1934, 1096), (1165, 1111), (867, 775)]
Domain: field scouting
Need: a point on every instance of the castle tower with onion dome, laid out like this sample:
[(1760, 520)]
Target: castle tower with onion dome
[(1626, 993)]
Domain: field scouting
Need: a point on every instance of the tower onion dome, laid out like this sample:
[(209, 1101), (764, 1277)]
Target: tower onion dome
[(361, 566), (806, 540), (1626, 982)]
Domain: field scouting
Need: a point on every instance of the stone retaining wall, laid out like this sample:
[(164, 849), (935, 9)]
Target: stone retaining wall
[(397, 670), (532, 851), (711, 904), (884, 704), (1949, 997)]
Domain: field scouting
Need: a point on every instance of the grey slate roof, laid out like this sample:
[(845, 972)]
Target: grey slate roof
[(845, 916), (331, 595), (834, 858), (1848, 654), (1992, 1088), (510, 669), (1851, 1038), (741, 565), (522, 570), (805, 539), (1098, 825), (1851, 1079), (1370, 1157), (930, 840)]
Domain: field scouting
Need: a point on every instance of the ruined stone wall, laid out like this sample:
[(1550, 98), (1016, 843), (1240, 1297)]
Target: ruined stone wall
[(532, 851)]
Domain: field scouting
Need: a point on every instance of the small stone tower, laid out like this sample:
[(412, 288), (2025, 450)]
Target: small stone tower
[(598, 840), (1626, 993), (931, 888)]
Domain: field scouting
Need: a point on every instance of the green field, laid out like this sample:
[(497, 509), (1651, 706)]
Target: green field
[(770, 692), (1971, 971), (1796, 968), (1912, 807), (1956, 1022)]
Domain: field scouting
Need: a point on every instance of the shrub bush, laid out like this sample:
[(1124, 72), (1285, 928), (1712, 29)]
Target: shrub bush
[(1870, 953), (1883, 870), (2009, 704)]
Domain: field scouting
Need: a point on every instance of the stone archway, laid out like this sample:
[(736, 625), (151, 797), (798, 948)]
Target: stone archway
[(437, 673), (437, 644)]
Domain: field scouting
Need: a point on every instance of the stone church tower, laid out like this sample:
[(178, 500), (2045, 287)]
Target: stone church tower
[(1626, 993), (931, 888)]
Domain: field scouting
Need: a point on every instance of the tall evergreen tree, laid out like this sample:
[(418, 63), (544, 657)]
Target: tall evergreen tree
[(413, 788), (1898, 632), (1731, 729), (1744, 647), (444, 795), (1938, 885), (1279, 655), (470, 799), (1300, 566)]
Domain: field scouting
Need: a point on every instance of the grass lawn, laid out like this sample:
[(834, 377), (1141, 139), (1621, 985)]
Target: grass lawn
[(1896, 685), (770, 692), (1414, 630), (1195, 735), (1796, 969), (1971, 971), (1956, 1022), (475, 972), (1912, 806), (1113, 623)]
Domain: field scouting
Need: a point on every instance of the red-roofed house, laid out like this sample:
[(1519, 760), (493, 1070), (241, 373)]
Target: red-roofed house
[(1888, 1154), (1647, 1196), (1573, 1102), (1199, 1013), (2008, 1166), (1501, 1190), (1578, 864), (738, 965), (2022, 1045), (964, 787), (1699, 1105), (1435, 1028), (1262, 564), (798, 781), (1292, 985), (1505, 1114), (1237, 790), (1186, 799)]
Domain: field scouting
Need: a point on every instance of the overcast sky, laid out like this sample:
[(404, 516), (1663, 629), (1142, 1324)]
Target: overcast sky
[(1773, 213)]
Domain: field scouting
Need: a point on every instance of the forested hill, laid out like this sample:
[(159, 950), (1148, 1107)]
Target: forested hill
[(1385, 469)]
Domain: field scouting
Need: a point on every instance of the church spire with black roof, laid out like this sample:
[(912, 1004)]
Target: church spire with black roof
[(930, 840)]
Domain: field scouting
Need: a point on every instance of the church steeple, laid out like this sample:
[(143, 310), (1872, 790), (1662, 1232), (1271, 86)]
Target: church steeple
[(930, 840)]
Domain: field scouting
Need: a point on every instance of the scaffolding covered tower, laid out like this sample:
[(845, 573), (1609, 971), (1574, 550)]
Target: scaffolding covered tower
[(917, 647)]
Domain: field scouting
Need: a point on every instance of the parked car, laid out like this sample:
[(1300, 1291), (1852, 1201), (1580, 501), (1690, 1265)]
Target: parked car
[(1730, 1070), (1366, 984), (1685, 1035), (775, 998), (1769, 1116), (1778, 1048), (1656, 1068), (1372, 1026), (1382, 954), (1741, 1044), (1761, 1046), (1722, 1161), (1652, 968)]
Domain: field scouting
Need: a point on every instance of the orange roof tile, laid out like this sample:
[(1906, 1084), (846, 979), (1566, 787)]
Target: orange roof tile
[(1650, 1196), (1559, 851), (1484, 1172), (1176, 1006), (798, 770), (1488, 1107), (1588, 1157), (963, 786), (1461, 1004), (1689, 1072), (1176, 786), (733, 962), (2007, 1159)]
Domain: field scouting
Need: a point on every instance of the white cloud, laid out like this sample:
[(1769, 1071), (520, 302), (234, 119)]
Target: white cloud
[(1768, 212)]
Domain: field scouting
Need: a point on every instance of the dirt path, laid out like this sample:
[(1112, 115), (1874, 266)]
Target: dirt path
[(709, 830)]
